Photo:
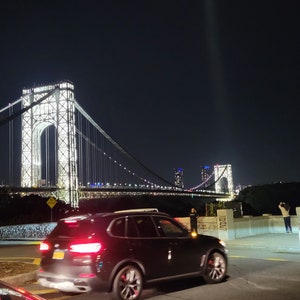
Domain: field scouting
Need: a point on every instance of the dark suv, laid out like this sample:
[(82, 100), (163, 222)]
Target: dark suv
[(119, 252)]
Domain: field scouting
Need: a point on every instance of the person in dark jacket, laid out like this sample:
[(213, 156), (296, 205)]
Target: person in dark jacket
[(194, 220)]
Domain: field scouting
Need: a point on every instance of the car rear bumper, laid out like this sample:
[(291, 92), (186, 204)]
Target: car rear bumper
[(71, 285)]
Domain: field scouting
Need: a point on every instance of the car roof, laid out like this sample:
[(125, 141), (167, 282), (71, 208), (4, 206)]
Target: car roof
[(127, 212)]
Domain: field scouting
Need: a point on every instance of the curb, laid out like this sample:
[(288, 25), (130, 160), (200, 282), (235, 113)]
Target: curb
[(273, 248), (20, 278)]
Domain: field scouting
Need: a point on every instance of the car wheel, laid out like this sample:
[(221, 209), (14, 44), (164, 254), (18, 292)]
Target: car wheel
[(127, 284), (216, 268)]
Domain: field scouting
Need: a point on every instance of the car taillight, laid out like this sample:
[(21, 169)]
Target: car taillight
[(85, 247), (70, 221), (44, 246)]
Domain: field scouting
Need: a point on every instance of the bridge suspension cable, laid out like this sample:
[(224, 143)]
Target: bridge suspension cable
[(202, 183), (207, 180), (22, 110), (119, 147)]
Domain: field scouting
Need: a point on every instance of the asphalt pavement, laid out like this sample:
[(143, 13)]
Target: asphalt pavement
[(274, 241)]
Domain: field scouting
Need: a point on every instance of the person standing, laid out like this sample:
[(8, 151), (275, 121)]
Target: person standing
[(193, 220), (285, 211)]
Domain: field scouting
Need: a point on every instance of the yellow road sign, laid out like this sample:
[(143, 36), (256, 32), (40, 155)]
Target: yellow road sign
[(51, 202)]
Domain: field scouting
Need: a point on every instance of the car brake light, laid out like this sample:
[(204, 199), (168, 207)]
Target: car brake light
[(70, 221), (85, 247), (44, 246)]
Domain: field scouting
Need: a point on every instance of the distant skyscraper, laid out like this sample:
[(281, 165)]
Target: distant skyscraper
[(178, 177), (205, 173)]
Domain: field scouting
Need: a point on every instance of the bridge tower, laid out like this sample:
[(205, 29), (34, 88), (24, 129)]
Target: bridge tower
[(56, 108), (223, 179)]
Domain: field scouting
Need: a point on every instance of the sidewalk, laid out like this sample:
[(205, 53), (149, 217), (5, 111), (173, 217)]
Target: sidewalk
[(277, 241)]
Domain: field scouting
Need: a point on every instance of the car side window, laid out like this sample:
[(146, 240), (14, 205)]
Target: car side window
[(118, 227), (169, 228), (131, 228), (145, 226)]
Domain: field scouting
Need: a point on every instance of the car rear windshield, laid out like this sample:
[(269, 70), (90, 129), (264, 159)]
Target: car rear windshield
[(78, 229)]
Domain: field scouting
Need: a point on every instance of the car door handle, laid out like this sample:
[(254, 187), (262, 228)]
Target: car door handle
[(173, 243)]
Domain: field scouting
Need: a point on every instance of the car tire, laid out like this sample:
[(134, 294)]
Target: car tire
[(127, 284), (216, 268)]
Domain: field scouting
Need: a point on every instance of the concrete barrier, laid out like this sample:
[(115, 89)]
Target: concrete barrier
[(223, 226), (26, 231), (226, 227)]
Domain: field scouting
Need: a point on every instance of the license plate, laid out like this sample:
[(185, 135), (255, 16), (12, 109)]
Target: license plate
[(58, 255)]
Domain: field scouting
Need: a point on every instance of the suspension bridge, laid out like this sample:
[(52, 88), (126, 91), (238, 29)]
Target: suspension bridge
[(67, 155)]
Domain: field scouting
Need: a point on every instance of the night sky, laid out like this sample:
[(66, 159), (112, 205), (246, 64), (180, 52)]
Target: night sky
[(176, 83)]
